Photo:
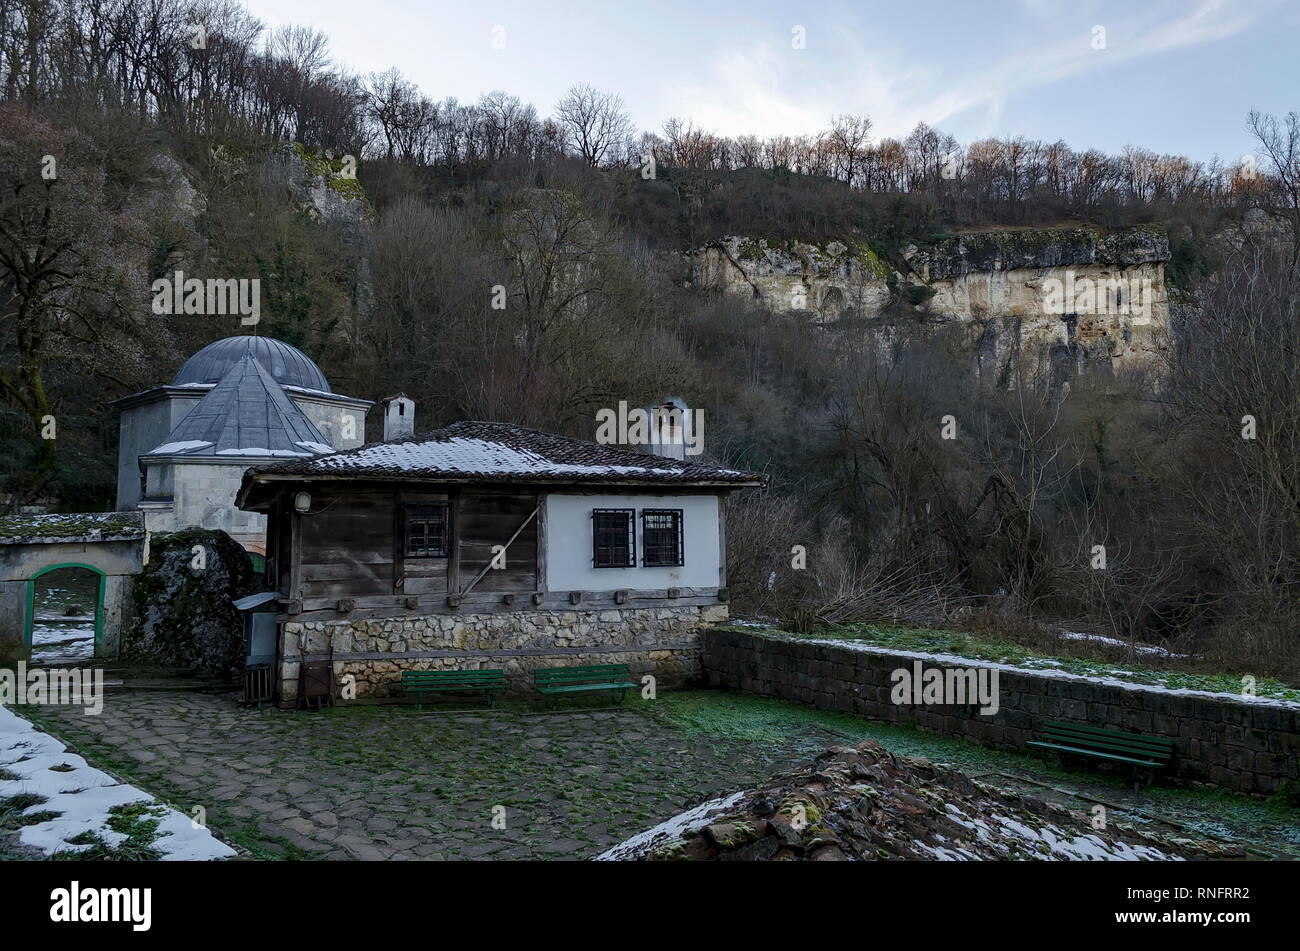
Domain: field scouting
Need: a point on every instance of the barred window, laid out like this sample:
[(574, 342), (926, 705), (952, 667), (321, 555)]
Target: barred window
[(661, 537), (426, 530), (613, 538)]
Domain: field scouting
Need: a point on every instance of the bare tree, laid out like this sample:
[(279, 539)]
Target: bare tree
[(1281, 144), (848, 138), (595, 123)]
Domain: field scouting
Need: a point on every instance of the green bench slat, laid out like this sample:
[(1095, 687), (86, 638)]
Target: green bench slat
[(434, 676), (566, 688), (558, 680), (1117, 745), (1100, 733), (1095, 753), (543, 673)]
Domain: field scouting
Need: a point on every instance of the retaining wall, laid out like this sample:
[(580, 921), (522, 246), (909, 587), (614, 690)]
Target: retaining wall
[(1246, 745)]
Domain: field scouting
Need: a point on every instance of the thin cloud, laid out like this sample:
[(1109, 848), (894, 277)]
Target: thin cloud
[(769, 91)]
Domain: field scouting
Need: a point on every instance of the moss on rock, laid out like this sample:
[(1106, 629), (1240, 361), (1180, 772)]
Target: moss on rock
[(184, 603)]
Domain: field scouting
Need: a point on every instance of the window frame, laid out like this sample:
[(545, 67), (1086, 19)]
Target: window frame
[(679, 524), (407, 522), (630, 516)]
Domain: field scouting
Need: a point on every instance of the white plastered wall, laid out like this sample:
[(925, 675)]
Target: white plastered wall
[(569, 549)]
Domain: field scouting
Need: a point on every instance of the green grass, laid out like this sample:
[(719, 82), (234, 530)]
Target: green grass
[(11, 811), (981, 647), (138, 821)]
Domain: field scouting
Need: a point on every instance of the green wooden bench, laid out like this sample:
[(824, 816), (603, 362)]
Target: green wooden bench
[(1139, 752), (421, 682), (552, 681)]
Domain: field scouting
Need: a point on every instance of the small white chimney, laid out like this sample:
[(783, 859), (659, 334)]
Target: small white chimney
[(670, 428), (399, 417)]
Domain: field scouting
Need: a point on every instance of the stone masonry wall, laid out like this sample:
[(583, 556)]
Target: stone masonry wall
[(1249, 746), (660, 641)]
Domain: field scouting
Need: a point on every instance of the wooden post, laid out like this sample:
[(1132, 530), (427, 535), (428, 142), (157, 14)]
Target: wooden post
[(295, 553), (541, 542), (453, 536), (399, 542)]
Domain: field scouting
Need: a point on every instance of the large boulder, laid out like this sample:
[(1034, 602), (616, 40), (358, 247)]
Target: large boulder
[(184, 603)]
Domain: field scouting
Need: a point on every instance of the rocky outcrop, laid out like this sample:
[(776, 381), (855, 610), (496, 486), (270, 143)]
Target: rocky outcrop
[(325, 186), (184, 603), (1036, 249), (830, 281), (1080, 296), (864, 803)]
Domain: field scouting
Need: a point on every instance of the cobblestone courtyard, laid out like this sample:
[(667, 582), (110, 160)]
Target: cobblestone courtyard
[(391, 782), (394, 783)]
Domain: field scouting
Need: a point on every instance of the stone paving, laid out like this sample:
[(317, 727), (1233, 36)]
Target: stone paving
[(389, 782)]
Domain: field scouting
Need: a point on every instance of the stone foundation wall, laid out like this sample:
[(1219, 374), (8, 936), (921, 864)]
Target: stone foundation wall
[(659, 641), (1249, 746)]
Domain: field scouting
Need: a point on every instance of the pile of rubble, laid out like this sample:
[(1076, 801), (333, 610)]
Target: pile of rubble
[(857, 803)]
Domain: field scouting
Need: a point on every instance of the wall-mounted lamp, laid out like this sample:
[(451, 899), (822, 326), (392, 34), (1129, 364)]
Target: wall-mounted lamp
[(302, 502)]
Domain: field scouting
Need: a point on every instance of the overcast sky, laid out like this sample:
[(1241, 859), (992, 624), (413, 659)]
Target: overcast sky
[(1175, 75)]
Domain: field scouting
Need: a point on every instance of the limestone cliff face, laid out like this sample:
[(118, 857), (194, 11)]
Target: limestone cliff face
[(1079, 295), (831, 280)]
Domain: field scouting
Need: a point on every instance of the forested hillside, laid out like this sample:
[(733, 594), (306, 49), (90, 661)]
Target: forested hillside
[(143, 137)]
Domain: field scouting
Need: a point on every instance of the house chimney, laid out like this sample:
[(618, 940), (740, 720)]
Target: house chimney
[(670, 428), (399, 417)]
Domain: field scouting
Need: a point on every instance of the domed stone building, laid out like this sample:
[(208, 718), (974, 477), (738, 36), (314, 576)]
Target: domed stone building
[(183, 447)]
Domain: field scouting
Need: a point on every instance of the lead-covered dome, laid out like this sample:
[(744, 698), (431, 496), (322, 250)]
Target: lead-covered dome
[(287, 365)]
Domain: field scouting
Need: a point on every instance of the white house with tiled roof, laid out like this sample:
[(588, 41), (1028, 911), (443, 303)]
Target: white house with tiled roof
[(490, 545)]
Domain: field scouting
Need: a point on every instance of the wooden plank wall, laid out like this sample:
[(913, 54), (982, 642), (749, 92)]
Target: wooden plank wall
[(490, 518), (350, 545), (346, 545)]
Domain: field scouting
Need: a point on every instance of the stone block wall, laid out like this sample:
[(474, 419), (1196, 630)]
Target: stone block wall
[(662, 641), (1245, 745)]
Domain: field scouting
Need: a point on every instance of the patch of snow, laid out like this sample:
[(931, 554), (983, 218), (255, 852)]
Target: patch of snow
[(83, 797), (646, 842), (175, 448), (1115, 642), (255, 451), (319, 447), (463, 454)]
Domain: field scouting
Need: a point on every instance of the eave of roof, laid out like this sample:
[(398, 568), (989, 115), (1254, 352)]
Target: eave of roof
[(472, 452)]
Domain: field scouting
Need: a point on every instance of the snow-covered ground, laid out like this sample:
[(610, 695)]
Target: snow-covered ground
[(60, 637), (57, 641), (83, 796)]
